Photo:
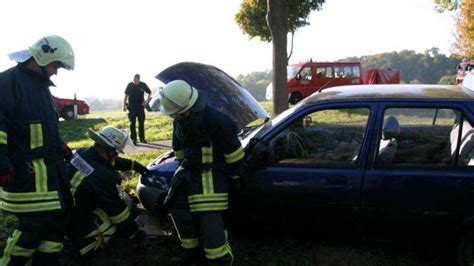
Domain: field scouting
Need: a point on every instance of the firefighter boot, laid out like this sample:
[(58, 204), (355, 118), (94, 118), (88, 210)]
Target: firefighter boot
[(192, 256)]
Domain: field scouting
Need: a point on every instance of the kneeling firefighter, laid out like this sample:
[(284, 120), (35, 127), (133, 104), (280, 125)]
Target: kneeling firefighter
[(206, 143), (99, 211)]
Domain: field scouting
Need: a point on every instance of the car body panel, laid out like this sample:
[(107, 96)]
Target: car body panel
[(400, 204), (332, 195), (224, 92)]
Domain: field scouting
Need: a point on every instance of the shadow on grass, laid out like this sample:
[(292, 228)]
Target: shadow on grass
[(76, 130)]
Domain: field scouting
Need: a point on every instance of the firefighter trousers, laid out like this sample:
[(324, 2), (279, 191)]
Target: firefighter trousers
[(37, 236), (100, 234), (206, 228)]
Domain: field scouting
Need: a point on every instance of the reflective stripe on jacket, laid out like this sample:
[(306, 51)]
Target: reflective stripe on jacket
[(207, 141), (30, 143), (94, 186)]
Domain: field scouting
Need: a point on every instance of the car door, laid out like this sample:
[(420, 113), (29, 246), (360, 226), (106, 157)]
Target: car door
[(418, 190), (314, 168)]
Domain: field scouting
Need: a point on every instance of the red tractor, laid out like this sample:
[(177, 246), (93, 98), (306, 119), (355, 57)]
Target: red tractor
[(65, 107)]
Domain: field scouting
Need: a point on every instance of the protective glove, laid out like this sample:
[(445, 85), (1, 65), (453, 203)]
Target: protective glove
[(179, 176), (139, 239), (5, 176), (235, 184), (159, 209), (140, 168), (236, 174), (118, 178), (158, 203), (67, 153)]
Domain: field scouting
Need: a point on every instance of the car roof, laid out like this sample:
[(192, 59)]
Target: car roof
[(392, 91)]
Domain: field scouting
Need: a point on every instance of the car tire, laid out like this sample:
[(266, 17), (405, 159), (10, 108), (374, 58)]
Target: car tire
[(67, 113), (295, 98), (465, 249)]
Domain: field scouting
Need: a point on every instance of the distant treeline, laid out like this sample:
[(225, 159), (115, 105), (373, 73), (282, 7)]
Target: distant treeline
[(97, 104), (429, 67)]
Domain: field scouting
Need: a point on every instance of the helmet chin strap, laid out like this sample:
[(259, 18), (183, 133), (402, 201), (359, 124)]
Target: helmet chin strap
[(109, 157), (106, 153)]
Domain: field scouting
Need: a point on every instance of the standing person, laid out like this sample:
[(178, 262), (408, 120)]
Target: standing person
[(99, 212), (133, 101), (32, 154), (205, 142)]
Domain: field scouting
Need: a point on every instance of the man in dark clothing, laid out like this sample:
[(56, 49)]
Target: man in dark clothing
[(206, 143), (32, 154), (99, 211), (133, 101)]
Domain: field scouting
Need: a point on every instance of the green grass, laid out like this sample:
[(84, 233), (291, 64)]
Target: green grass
[(157, 126), (74, 132)]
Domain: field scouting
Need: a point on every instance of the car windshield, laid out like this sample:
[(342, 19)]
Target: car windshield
[(292, 71)]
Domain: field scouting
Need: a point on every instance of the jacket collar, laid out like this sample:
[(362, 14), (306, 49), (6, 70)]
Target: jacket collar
[(35, 75)]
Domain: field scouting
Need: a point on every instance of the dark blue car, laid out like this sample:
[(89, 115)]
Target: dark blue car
[(388, 162)]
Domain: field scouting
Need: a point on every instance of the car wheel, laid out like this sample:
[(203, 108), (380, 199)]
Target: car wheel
[(295, 98), (465, 249), (67, 113)]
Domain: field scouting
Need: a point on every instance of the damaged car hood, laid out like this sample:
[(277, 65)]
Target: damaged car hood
[(224, 92)]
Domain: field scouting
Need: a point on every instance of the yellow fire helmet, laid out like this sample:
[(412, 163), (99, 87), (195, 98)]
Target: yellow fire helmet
[(46, 50), (177, 97), (112, 138)]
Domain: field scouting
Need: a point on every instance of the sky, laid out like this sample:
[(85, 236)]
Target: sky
[(113, 40)]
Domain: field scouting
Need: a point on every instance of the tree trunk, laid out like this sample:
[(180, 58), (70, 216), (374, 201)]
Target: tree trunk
[(277, 20)]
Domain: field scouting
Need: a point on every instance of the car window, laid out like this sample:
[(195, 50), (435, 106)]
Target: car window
[(330, 137), (462, 142), (338, 71), (306, 73), (324, 72), (420, 137), (347, 72), (356, 71)]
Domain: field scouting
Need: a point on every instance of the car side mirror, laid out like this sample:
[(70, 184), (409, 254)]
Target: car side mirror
[(257, 154), (298, 76)]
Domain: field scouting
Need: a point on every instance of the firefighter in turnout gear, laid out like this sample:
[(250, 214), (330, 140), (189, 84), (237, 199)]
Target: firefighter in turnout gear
[(32, 154), (205, 141), (99, 211)]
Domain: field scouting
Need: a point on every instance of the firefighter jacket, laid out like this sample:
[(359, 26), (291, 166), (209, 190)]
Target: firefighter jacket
[(30, 144), (94, 188), (207, 143)]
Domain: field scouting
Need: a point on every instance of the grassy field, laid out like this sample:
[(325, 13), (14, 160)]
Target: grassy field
[(157, 127), (74, 132), (268, 250)]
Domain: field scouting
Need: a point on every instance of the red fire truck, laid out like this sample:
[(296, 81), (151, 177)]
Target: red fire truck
[(308, 77)]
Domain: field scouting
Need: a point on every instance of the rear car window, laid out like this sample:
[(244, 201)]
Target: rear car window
[(424, 137)]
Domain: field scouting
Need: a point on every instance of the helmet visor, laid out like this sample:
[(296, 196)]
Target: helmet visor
[(65, 65), (128, 146)]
